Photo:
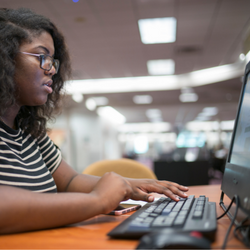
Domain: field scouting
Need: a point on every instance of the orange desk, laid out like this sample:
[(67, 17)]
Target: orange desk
[(91, 234)]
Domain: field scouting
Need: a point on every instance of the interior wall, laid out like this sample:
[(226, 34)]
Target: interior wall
[(86, 138)]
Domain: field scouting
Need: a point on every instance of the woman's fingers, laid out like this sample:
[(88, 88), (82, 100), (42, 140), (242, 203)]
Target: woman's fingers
[(142, 188)]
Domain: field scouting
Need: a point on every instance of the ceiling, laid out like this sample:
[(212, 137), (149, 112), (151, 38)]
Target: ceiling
[(104, 42)]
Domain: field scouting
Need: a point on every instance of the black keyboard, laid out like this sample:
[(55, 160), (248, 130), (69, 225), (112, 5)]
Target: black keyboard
[(188, 214)]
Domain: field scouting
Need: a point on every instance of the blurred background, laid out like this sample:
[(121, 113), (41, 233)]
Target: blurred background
[(157, 81)]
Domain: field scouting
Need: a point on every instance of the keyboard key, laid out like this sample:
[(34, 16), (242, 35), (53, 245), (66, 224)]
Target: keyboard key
[(153, 215), (166, 211), (200, 202), (168, 221), (179, 221), (183, 213), (144, 215), (197, 214), (199, 208), (173, 214)]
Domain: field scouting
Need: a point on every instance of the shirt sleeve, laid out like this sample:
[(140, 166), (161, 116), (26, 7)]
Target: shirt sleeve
[(50, 152)]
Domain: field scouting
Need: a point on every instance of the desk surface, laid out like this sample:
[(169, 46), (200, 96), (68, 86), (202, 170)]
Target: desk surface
[(91, 234)]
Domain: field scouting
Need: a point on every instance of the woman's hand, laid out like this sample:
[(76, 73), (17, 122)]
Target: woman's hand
[(141, 189), (111, 189)]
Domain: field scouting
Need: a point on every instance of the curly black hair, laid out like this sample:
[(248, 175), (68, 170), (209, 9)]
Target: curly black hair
[(18, 26)]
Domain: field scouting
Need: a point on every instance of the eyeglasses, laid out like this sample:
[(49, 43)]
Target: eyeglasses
[(46, 61)]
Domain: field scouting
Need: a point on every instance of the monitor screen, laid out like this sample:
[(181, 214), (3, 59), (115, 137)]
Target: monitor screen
[(236, 178), (240, 154)]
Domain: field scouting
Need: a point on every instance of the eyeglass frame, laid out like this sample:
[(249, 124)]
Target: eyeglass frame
[(42, 57)]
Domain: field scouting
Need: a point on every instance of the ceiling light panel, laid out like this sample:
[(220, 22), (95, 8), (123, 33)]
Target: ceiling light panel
[(77, 97), (157, 30), (145, 127), (156, 83), (111, 114), (142, 99), (161, 67), (90, 104), (100, 100), (210, 111), (188, 97)]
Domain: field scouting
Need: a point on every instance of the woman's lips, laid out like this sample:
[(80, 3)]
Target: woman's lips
[(48, 86)]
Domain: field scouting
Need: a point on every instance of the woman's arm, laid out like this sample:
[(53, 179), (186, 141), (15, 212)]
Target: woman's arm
[(80, 197), (22, 210), (68, 180)]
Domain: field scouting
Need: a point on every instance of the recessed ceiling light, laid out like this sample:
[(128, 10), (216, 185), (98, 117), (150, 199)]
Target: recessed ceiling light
[(210, 111), (145, 127), (227, 125), (90, 104), (188, 97), (142, 99), (161, 67), (100, 100), (157, 30), (77, 97), (111, 114), (242, 57), (202, 118), (152, 113), (141, 144)]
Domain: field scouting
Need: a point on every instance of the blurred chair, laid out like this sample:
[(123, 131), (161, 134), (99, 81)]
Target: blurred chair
[(124, 167)]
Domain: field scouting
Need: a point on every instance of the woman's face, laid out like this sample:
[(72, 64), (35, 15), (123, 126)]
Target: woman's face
[(33, 83)]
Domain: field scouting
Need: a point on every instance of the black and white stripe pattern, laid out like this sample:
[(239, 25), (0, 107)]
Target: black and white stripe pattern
[(26, 162)]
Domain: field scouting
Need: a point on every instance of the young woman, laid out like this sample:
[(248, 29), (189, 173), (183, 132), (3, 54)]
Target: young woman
[(38, 189)]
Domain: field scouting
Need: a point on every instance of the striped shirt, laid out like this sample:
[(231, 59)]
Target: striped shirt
[(26, 162)]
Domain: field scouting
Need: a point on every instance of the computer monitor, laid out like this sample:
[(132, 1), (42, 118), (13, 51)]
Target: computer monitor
[(236, 178)]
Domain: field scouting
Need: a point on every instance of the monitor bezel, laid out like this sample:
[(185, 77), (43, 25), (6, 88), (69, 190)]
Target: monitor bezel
[(236, 178)]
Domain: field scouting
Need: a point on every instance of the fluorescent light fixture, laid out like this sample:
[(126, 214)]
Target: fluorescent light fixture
[(152, 113), (202, 125), (248, 56), (77, 97), (242, 57), (141, 144), (215, 74), (156, 83), (187, 90), (189, 139), (152, 137), (188, 97), (100, 100), (93, 102), (192, 154), (90, 104), (111, 114), (210, 125), (227, 125), (202, 118), (161, 67), (210, 111), (157, 30), (145, 127), (142, 99)]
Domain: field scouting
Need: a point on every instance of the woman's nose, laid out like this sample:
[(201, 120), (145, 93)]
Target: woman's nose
[(52, 71)]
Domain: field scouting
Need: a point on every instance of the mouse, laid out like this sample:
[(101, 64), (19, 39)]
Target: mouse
[(174, 240)]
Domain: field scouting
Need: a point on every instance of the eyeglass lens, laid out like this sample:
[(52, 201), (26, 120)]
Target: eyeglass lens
[(47, 62)]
